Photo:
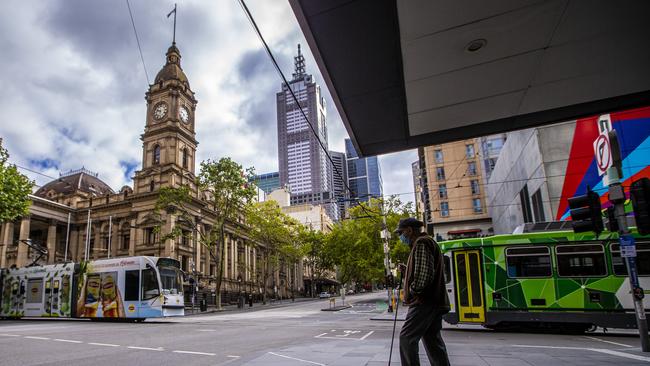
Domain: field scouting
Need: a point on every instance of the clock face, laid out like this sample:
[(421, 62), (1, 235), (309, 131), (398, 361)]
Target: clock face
[(160, 111), (184, 114)]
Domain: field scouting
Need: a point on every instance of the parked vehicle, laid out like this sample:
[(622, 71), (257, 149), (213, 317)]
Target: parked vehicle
[(324, 295)]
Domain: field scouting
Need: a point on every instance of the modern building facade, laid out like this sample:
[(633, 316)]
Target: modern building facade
[(302, 140), (267, 182), (540, 169), (339, 180), (364, 175), (490, 149), (453, 190)]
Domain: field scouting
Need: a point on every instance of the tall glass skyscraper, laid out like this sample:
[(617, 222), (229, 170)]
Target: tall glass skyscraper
[(364, 175), (304, 166)]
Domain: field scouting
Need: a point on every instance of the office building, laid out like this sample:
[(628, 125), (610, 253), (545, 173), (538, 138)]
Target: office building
[(364, 175), (339, 180), (453, 190), (302, 141), (267, 182)]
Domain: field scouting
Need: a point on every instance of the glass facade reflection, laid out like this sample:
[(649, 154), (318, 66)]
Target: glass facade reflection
[(364, 175)]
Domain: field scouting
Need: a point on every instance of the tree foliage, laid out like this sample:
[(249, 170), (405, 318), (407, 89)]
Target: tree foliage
[(224, 184), (14, 189), (355, 245), (279, 237)]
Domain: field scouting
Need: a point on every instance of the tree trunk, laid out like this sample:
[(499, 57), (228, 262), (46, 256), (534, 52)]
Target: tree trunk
[(219, 255)]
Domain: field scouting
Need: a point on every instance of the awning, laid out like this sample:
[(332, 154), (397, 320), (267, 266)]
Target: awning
[(466, 231), (411, 73)]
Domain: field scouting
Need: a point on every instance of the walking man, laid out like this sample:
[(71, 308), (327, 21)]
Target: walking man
[(424, 294)]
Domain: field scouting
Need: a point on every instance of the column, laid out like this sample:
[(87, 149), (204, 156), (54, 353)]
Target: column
[(115, 238), (51, 242), (225, 257), (132, 238), (97, 243), (197, 251), (7, 237), (73, 244), (206, 259), (23, 250), (246, 262), (236, 259), (255, 263), (170, 223)]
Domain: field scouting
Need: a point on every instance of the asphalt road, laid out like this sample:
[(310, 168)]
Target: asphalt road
[(290, 334)]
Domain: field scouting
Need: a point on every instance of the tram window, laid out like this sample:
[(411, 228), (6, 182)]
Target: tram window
[(642, 259), (581, 260), (150, 287), (131, 285), (447, 268), (528, 262)]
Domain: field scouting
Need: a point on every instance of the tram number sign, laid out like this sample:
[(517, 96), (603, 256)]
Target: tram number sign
[(628, 248), (603, 153)]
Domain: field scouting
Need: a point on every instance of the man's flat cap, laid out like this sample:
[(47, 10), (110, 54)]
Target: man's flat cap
[(408, 222)]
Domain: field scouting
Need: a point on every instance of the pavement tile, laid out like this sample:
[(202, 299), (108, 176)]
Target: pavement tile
[(505, 361)]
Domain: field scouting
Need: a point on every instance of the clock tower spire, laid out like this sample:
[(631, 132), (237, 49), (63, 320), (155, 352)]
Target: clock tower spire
[(169, 138)]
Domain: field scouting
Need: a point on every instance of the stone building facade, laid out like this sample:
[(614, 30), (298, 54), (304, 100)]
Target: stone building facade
[(78, 216)]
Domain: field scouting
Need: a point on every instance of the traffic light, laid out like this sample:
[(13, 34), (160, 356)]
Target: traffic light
[(612, 223), (585, 213), (640, 194)]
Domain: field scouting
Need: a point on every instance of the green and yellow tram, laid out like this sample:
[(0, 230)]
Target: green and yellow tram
[(547, 279)]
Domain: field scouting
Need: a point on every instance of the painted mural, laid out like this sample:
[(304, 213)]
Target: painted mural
[(633, 129)]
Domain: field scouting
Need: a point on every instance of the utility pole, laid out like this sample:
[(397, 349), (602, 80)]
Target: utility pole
[(628, 247), (385, 235)]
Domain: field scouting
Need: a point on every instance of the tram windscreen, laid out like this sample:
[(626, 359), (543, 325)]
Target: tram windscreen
[(172, 280)]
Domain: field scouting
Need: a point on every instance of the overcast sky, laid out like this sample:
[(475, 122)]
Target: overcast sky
[(74, 84)]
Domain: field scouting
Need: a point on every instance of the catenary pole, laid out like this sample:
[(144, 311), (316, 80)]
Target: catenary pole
[(67, 239)]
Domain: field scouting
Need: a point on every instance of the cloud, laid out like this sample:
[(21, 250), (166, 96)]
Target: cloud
[(74, 83)]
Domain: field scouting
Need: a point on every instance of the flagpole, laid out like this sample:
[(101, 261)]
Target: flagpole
[(174, 39)]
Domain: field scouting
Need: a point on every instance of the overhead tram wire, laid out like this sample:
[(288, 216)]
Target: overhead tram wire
[(137, 39), (293, 95)]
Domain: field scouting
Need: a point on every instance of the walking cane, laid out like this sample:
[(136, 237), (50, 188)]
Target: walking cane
[(392, 339)]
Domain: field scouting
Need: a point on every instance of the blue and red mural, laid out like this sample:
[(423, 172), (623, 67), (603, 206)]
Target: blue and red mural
[(633, 129)]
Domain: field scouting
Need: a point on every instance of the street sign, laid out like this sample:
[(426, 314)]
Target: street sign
[(603, 152), (628, 248)]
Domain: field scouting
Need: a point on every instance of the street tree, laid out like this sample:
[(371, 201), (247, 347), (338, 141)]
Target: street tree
[(226, 193), (317, 258), (355, 245), (277, 236), (14, 189)]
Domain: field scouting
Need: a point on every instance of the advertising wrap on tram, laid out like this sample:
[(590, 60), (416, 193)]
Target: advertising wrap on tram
[(130, 287)]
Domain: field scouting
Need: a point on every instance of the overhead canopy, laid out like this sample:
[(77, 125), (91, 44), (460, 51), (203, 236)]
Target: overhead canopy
[(409, 73)]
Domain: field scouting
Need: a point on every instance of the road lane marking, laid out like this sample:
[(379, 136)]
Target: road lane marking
[(320, 335), (367, 335), (297, 359), (206, 330), (147, 348), (610, 342), (104, 344), (196, 353), (66, 340), (10, 335), (231, 356), (600, 350), (34, 337)]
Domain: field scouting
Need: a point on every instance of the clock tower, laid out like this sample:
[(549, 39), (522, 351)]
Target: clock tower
[(168, 142)]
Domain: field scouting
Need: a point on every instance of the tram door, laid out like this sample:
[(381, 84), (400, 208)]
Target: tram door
[(469, 286)]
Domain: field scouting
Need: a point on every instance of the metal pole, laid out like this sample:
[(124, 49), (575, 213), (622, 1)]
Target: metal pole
[(110, 229), (87, 237), (617, 197), (385, 235), (67, 239)]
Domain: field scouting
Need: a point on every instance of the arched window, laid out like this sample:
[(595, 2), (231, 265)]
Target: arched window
[(156, 154), (151, 186), (185, 158)]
